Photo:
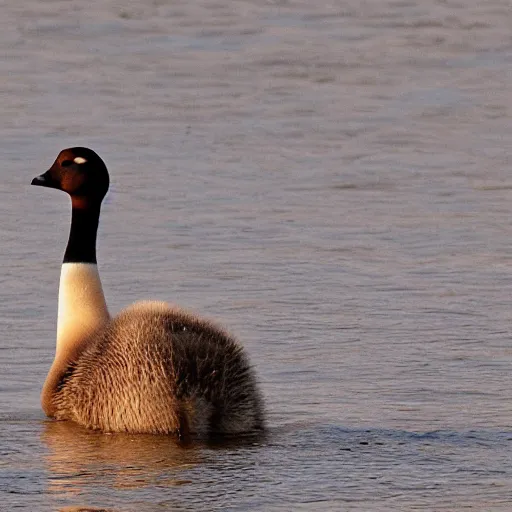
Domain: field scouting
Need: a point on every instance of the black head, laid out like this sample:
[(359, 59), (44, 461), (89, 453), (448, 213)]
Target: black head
[(80, 172)]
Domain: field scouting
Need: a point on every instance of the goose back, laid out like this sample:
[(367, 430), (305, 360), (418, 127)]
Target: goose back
[(156, 368)]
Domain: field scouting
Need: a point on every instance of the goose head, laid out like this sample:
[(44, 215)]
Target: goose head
[(81, 173)]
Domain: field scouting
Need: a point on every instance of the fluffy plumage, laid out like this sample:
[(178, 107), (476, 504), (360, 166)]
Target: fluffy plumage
[(159, 369)]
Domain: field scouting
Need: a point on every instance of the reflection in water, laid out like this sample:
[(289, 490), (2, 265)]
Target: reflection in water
[(85, 466), (78, 457)]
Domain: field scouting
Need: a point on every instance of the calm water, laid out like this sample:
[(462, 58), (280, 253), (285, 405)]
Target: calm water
[(331, 180)]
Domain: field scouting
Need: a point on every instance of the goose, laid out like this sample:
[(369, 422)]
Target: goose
[(154, 368)]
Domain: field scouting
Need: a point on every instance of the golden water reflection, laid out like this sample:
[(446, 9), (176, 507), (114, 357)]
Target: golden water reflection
[(78, 459)]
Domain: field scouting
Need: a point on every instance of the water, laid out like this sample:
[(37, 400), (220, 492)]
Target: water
[(331, 180)]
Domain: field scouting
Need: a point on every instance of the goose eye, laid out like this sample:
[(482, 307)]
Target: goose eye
[(66, 163)]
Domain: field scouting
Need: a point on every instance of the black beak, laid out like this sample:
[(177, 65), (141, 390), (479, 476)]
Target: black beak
[(45, 180)]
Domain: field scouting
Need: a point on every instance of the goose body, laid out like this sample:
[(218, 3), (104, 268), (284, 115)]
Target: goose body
[(154, 368)]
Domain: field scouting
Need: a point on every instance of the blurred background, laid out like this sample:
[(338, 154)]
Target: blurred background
[(331, 181)]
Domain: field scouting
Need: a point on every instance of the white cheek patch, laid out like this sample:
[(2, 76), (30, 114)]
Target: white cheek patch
[(79, 160)]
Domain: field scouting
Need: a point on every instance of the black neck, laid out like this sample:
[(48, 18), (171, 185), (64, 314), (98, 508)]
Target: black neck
[(81, 246)]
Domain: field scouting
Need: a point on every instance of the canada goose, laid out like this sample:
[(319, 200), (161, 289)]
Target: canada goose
[(154, 368)]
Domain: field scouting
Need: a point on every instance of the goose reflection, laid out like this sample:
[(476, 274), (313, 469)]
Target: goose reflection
[(78, 458)]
